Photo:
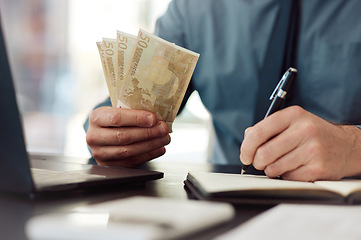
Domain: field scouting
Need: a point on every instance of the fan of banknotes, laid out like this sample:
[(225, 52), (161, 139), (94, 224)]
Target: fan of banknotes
[(146, 73)]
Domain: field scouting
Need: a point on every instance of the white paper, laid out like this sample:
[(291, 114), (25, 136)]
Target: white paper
[(299, 222), (131, 218)]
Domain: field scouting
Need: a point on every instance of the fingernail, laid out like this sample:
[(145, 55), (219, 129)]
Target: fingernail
[(150, 120)]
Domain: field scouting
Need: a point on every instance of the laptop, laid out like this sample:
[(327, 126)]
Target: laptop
[(19, 173)]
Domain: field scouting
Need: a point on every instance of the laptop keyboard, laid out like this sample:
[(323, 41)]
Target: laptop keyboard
[(50, 177)]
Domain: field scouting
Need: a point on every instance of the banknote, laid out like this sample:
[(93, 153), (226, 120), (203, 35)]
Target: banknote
[(158, 77), (146, 73), (110, 48), (124, 51), (103, 60)]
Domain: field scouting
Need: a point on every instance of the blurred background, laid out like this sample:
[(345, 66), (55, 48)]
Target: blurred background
[(58, 74)]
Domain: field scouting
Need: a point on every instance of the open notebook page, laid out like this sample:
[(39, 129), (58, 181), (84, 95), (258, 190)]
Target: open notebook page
[(222, 182)]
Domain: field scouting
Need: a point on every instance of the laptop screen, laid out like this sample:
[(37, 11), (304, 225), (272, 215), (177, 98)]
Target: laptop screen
[(14, 169)]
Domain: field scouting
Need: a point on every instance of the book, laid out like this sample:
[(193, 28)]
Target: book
[(239, 188)]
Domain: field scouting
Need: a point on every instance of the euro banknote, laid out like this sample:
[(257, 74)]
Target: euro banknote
[(150, 73)]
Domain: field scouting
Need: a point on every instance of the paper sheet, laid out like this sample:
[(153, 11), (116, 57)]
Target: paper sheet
[(140, 218), (291, 221)]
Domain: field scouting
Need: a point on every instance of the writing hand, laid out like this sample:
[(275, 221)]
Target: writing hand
[(125, 137), (297, 145)]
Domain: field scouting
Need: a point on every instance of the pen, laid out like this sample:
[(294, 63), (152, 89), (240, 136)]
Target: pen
[(278, 96)]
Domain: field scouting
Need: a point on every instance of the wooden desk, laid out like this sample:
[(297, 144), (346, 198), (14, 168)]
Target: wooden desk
[(15, 212)]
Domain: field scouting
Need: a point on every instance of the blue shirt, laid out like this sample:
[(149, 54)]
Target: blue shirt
[(232, 36)]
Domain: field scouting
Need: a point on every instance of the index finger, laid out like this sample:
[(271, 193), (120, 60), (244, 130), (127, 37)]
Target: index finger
[(260, 133), (122, 117)]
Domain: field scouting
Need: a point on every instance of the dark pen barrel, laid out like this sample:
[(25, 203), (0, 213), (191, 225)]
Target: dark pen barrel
[(275, 106), (278, 96), (292, 73), (281, 92)]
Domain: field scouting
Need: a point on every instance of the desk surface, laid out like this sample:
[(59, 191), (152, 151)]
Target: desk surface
[(15, 212)]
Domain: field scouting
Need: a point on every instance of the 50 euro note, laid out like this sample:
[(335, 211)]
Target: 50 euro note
[(115, 56), (125, 49), (158, 77), (107, 52)]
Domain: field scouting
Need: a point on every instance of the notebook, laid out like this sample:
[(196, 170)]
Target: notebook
[(21, 174), (254, 189)]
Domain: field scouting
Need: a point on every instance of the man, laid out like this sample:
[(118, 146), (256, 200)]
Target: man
[(301, 142)]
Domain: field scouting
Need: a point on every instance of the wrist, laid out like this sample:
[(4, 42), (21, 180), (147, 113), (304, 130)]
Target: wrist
[(353, 157)]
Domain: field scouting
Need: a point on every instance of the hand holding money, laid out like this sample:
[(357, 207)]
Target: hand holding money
[(147, 73), (150, 76), (125, 137)]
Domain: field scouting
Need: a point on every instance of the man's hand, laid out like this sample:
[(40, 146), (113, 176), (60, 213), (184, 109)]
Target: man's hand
[(297, 145), (125, 137)]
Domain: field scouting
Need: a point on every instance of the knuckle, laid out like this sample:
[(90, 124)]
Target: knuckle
[(296, 111), (123, 153), (256, 132), (310, 129), (315, 149), (121, 137), (115, 118)]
